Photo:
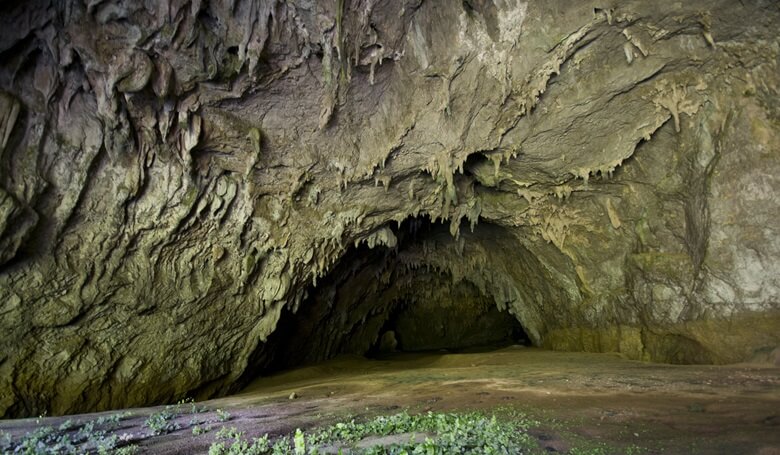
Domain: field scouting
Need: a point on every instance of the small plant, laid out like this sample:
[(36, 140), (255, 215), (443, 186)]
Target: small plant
[(195, 421), (126, 450), (194, 408), (300, 442), (106, 445), (162, 422), (229, 433), (198, 430), (5, 441), (125, 437), (66, 425), (223, 416), (634, 450), (261, 444), (111, 421), (258, 446), (281, 447), (218, 448)]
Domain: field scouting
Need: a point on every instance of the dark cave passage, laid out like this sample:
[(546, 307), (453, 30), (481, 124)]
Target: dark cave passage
[(383, 299), (412, 326)]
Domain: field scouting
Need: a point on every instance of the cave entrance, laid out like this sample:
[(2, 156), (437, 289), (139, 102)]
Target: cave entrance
[(409, 292)]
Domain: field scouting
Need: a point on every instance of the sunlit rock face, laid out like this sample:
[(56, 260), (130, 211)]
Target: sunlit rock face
[(176, 176)]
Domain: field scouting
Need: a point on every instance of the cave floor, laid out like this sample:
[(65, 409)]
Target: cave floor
[(582, 403)]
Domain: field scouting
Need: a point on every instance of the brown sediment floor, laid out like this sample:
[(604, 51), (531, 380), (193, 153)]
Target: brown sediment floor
[(579, 400)]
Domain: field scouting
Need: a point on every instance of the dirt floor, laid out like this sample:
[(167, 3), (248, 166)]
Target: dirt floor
[(584, 403)]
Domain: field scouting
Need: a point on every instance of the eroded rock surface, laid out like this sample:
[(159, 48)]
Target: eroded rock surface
[(174, 175)]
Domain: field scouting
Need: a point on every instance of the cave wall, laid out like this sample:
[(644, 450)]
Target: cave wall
[(175, 174)]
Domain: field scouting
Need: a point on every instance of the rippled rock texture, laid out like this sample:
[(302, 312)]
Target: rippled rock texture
[(176, 176)]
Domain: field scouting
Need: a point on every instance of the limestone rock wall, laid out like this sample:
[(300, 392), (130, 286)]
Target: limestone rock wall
[(175, 174)]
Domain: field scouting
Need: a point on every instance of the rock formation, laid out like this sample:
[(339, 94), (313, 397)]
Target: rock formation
[(176, 176)]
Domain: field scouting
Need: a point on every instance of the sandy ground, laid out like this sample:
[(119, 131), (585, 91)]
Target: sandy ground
[(580, 400)]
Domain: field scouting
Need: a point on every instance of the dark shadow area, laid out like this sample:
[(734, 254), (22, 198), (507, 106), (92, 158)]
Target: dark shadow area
[(384, 300), (413, 327)]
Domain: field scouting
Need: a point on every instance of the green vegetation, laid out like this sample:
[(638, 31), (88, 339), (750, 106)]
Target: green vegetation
[(439, 433), (72, 438), (229, 433), (99, 436), (230, 442), (503, 431), (163, 422), (223, 416), (5, 440), (195, 409), (604, 449)]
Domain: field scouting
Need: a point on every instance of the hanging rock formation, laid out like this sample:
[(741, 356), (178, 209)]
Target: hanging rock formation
[(177, 175)]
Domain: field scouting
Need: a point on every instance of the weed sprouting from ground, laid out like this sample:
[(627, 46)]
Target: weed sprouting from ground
[(223, 416), (162, 422), (230, 441)]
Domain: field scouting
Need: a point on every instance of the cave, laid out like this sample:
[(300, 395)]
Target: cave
[(245, 226), (406, 289)]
